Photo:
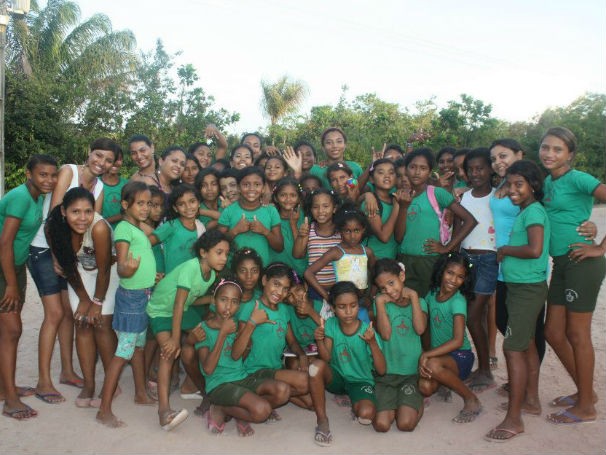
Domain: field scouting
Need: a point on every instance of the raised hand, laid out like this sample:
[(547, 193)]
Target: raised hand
[(131, 264), (294, 160), (198, 334), (242, 226), (304, 228), (319, 332), (405, 197), (257, 227), (369, 333), (259, 316), (228, 326)]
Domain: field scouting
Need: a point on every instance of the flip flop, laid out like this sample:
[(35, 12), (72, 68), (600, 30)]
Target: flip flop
[(274, 417), (244, 428), (174, 419), (213, 426), (511, 435), (78, 383), (197, 395), (564, 401), (465, 416), (323, 438), (573, 418), (26, 413), (51, 397)]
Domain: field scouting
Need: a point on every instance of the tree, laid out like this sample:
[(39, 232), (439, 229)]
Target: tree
[(281, 98)]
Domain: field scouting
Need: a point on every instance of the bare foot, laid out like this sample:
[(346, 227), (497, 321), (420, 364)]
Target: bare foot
[(22, 391), (109, 420), (71, 379), (470, 411), (145, 400), (569, 400)]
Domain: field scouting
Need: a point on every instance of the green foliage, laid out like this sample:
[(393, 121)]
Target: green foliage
[(281, 98)]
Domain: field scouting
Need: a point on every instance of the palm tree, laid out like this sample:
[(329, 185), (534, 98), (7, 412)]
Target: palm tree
[(281, 98)]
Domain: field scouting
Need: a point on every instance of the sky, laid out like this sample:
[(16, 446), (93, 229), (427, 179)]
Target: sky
[(521, 56)]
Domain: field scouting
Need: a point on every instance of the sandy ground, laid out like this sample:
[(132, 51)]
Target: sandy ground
[(66, 429)]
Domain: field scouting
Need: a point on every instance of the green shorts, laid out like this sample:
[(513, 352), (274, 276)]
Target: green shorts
[(524, 302), (418, 272), (21, 283), (230, 393), (576, 284), (356, 391), (262, 375), (159, 324), (395, 390)]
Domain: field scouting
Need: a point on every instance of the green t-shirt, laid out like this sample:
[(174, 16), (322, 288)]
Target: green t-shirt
[(303, 327), (112, 195), (422, 222), (299, 265), (266, 214), (227, 369), (568, 201), (206, 219), (178, 242), (320, 172), (351, 356), (268, 340), (140, 247), (516, 270), (19, 203), (159, 257), (403, 349), (459, 184), (186, 276), (441, 318), (381, 249)]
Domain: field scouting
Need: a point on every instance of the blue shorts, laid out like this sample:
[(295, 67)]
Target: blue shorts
[(40, 265), (484, 272), (128, 342), (129, 310), (464, 359)]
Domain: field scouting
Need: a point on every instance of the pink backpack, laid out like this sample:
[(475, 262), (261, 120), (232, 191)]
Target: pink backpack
[(445, 229)]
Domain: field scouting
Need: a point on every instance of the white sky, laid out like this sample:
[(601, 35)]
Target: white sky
[(519, 55)]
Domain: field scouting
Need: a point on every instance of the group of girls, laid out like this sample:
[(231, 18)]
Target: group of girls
[(305, 241)]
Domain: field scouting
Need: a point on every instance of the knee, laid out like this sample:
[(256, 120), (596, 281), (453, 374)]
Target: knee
[(577, 337), (316, 370), (381, 425), (407, 423), (365, 411), (260, 412), (282, 391), (426, 387), (10, 333), (54, 315)]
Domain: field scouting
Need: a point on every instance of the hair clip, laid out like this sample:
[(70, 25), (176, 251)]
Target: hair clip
[(340, 165), (296, 278), (372, 167), (402, 266), (224, 282)]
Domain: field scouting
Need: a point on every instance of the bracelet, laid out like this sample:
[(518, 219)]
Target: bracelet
[(252, 322), (97, 301)]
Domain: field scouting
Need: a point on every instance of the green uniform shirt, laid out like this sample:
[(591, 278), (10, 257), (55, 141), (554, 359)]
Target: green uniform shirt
[(568, 201), (206, 219), (351, 356), (227, 369), (178, 242), (186, 276), (299, 265), (381, 249), (19, 203), (304, 327), (112, 195), (516, 270), (140, 247), (422, 222), (320, 172), (441, 317), (266, 214), (159, 257), (268, 340), (403, 349)]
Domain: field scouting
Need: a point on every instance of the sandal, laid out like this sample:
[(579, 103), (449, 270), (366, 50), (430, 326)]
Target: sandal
[(244, 428), (212, 425), (323, 438), (20, 413), (173, 418), (274, 417), (494, 435), (50, 397), (466, 416)]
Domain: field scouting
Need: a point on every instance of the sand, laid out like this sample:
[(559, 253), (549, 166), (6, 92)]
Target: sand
[(64, 428)]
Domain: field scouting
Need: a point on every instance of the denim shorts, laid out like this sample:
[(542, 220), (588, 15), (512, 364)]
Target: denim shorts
[(464, 359), (484, 272), (40, 265), (129, 310)]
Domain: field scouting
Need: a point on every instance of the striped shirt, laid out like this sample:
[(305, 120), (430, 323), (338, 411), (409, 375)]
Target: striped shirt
[(317, 245)]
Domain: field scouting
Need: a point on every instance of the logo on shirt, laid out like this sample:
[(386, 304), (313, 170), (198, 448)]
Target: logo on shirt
[(571, 295), (437, 318), (408, 389), (227, 348), (413, 211), (343, 353), (401, 325)]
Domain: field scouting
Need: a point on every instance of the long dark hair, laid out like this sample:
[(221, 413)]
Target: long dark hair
[(60, 234)]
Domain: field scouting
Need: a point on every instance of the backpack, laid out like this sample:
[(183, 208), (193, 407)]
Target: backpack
[(445, 229)]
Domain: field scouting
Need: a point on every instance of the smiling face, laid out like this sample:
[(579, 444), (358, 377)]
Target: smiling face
[(288, 198), (274, 170), (209, 189), (172, 166), (338, 181), (254, 143), (555, 155), (251, 188), (79, 215), (115, 169), (446, 163), (43, 177), (204, 156), (384, 176), (307, 156), (190, 171), (216, 257), (142, 154), (100, 161), (479, 173), (520, 191), (322, 208), (391, 285), (248, 273), (452, 279), (297, 294), (334, 146), (229, 188), (227, 301), (187, 206), (140, 208), (157, 208), (502, 158), (275, 289), (346, 308), (241, 158)]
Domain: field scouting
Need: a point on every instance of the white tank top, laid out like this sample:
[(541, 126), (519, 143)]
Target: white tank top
[(483, 235)]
